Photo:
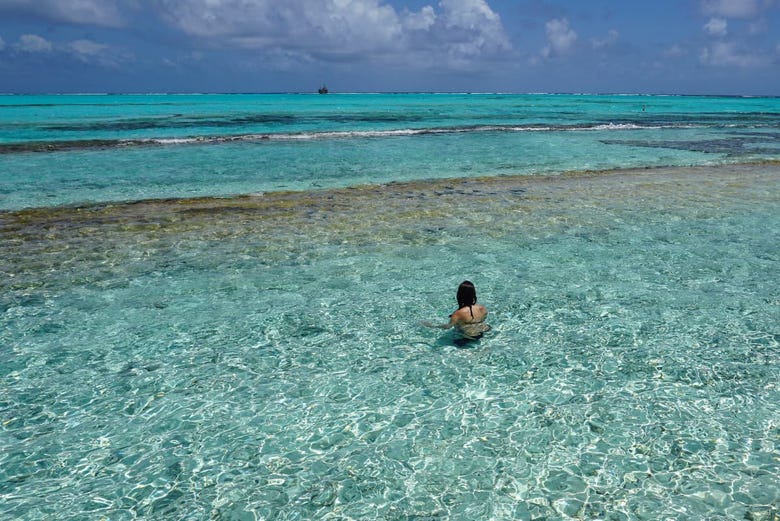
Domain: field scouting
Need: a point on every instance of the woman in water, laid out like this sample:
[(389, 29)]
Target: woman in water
[(469, 318)]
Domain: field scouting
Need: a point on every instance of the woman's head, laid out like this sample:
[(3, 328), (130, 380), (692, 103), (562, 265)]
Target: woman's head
[(467, 294)]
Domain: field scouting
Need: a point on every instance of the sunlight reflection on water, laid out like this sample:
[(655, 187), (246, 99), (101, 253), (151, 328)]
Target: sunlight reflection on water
[(262, 358)]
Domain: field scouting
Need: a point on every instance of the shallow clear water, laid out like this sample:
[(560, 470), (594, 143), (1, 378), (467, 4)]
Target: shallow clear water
[(263, 358)]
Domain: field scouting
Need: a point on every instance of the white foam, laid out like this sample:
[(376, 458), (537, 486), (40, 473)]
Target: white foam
[(347, 134)]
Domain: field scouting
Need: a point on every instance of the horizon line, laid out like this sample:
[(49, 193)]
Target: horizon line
[(502, 93)]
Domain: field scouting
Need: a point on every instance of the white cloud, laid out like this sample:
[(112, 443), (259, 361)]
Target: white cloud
[(560, 37), (33, 43), (734, 48), (2, 44), (675, 51), (87, 47), (470, 28), (468, 13), (95, 12), (733, 8), (96, 53), (335, 26), (335, 29), (420, 21), (608, 40), (716, 27), (86, 51), (728, 54)]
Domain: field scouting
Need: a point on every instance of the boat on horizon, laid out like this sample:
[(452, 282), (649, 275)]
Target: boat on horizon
[(323, 89)]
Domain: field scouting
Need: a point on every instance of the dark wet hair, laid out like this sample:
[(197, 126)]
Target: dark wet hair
[(467, 294)]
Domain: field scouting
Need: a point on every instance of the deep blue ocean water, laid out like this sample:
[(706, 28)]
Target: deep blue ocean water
[(164, 356)]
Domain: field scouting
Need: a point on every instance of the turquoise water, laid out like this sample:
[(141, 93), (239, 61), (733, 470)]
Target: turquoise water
[(117, 148), (262, 357)]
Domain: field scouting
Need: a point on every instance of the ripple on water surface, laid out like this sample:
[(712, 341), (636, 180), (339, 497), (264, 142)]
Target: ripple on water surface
[(261, 357)]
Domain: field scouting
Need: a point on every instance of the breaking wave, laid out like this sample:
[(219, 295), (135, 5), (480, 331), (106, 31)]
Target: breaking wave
[(66, 145)]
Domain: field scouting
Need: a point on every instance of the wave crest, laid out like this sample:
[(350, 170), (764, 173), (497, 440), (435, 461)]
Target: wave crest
[(65, 145)]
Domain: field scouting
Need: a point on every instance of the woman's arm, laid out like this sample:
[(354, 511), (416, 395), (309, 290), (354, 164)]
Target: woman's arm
[(439, 326), (452, 323)]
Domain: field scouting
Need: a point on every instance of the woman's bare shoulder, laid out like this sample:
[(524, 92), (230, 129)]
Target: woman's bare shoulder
[(460, 315), (466, 315)]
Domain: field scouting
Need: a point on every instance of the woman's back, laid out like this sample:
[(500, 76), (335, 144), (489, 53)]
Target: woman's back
[(470, 320)]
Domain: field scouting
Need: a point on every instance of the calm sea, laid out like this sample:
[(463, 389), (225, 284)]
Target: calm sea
[(122, 148), (167, 352)]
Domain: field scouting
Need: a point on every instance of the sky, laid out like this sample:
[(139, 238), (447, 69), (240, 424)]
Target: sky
[(583, 46)]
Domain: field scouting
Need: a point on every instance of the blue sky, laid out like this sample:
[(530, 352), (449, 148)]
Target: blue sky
[(623, 46)]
